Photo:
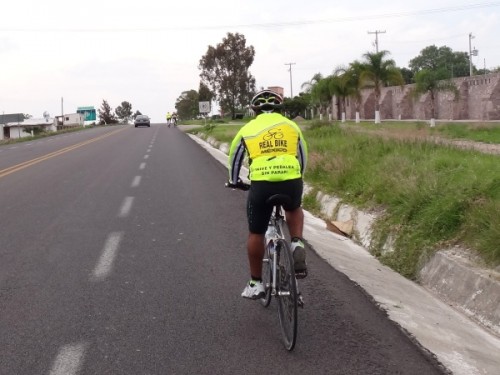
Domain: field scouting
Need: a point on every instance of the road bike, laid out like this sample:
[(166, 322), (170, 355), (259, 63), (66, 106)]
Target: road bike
[(278, 274)]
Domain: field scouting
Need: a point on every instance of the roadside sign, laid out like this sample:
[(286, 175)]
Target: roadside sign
[(204, 107)]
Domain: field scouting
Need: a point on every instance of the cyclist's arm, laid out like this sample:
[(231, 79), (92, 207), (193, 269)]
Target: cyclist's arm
[(301, 150), (302, 154), (236, 157)]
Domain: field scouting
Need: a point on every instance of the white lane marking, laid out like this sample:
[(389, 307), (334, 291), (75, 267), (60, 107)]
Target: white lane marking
[(136, 182), (142, 166), (103, 267), (68, 360), (126, 206), (148, 150), (146, 156)]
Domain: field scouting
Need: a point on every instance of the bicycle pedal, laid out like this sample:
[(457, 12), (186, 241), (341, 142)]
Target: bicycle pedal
[(301, 274)]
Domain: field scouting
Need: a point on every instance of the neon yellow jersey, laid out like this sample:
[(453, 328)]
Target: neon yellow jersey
[(275, 148)]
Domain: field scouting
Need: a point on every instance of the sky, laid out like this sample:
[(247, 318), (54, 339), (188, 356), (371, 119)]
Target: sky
[(57, 55)]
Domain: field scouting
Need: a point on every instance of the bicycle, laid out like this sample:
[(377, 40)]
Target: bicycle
[(278, 274)]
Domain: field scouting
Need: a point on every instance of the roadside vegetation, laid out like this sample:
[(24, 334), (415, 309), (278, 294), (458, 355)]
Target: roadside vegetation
[(486, 132), (427, 196)]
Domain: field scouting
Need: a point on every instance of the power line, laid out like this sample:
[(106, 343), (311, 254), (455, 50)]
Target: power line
[(270, 24)]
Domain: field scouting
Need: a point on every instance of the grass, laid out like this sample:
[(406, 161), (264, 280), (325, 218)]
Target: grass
[(223, 133), (487, 132), (432, 195)]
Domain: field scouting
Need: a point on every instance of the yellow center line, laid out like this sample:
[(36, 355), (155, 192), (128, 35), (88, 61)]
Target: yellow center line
[(29, 163)]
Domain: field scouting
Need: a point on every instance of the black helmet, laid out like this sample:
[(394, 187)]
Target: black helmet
[(266, 101)]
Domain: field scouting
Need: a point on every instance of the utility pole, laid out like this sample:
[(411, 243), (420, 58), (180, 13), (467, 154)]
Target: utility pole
[(472, 52), (290, 70), (62, 110), (376, 32)]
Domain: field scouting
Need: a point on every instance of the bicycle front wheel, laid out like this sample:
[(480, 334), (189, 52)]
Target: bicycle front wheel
[(286, 286)]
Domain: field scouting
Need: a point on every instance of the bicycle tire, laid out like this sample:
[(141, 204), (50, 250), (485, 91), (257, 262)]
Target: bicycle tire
[(286, 286), (267, 277)]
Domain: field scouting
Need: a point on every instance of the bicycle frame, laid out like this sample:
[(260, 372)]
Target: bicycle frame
[(278, 265), (276, 221)]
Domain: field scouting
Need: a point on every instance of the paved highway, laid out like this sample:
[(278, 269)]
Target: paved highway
[(122, 253)]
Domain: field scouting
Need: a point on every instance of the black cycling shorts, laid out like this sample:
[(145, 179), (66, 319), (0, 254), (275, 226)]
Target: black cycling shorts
[(258, 212)]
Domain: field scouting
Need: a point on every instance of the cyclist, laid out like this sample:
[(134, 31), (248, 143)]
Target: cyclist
[(169, 117), (277, 155), (174, 118)]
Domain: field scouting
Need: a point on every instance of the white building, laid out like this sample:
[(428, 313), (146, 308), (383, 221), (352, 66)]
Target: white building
[(14, 130)]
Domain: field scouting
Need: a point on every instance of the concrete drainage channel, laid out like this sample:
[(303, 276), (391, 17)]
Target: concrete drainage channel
[(451, 274)]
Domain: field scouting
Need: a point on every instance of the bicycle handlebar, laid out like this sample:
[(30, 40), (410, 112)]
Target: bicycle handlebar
[(240, 185)]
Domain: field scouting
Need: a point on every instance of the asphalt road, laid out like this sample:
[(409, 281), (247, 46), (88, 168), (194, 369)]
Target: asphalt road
[(122, 253)]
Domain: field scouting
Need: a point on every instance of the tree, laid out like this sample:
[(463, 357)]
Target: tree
[(354, 78), (204, 93), (106, 115), (186, 104), (431, 82), (308, 86), (320, 95), (296, 106), (224, 69), (379, 72), (407, 75), (342, 85), (137, 113), (456, 64), (124, 112)]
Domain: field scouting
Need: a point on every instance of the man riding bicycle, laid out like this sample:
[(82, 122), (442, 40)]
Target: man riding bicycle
[(277, 154), (169, 118)]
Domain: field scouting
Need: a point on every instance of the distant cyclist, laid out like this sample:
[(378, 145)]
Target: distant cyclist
[(174, 118), (277, 154), (169, 118)]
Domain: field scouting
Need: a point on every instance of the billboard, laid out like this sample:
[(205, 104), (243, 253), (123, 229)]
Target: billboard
[(88, 113)]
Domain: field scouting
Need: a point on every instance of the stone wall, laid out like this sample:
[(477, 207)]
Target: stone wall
[(478, 99)]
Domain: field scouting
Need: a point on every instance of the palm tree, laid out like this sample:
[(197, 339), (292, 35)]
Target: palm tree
[(320, 94), (379, 72), (308, 86), (354, 78), (345, 83), (432, 82)]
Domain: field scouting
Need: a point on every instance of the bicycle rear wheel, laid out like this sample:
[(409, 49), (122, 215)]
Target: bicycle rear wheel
[(267, 277), (286, 286)]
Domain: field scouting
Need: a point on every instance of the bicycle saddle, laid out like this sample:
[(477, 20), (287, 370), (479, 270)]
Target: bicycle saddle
[(279, 199)]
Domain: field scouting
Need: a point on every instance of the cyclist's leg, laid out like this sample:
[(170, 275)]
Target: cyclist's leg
[(255, 247), (258, 214), (295, 220), (293, 212)]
